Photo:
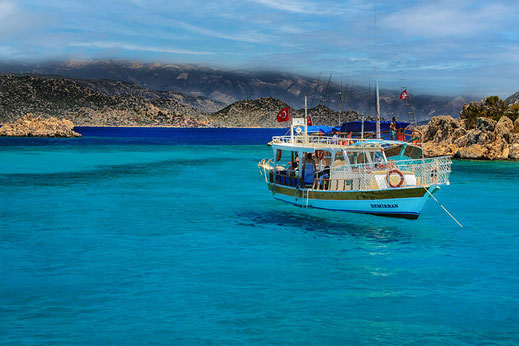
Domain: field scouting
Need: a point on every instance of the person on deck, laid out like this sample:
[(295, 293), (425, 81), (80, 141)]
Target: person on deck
[(392, 128), (309, 169)]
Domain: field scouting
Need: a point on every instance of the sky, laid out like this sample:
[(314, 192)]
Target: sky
[(454, 47)]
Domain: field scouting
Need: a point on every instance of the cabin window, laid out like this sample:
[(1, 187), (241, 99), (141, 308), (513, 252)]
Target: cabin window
[(393, 151), (413, 152)]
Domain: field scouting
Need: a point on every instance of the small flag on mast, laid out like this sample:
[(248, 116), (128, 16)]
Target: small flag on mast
[(284, 114), (309, 121), (404, 95)]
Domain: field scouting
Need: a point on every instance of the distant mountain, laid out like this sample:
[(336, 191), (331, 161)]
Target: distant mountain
[(67, 98), (225, 87), (120, 88), (514, 99)]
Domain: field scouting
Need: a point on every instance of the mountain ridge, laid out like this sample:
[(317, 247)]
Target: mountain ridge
[(225, 87)]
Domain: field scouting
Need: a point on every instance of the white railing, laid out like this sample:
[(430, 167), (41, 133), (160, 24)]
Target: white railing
[(367, 177), (328, 140)]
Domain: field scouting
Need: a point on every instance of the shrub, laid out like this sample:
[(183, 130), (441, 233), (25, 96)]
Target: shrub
[(492, 107)]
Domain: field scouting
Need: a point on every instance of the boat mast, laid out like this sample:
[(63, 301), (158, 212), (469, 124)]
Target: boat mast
[(306, 121), (376, 68)]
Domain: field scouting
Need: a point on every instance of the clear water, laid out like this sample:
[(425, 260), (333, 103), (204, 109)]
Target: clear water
[(165, 237)]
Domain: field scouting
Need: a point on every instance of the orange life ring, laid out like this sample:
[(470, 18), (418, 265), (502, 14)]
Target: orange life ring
[(397, 171), (319, 154), (278, 155)]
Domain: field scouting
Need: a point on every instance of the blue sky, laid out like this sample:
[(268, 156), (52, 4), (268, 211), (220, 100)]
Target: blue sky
[(440, 47)]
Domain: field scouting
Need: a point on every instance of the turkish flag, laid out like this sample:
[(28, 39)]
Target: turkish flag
[(403, 95), (309, 121), (284, 114)]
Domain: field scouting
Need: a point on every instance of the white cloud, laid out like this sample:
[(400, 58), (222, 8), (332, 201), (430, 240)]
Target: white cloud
[(250, 37), (7, 8), (445, 18), (135, 47), (317, 8)]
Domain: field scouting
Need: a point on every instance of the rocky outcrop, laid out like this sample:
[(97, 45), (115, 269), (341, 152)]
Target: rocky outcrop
[(488, 140), (30, 126)]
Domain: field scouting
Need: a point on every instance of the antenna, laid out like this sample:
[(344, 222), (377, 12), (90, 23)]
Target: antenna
[(376, 66)]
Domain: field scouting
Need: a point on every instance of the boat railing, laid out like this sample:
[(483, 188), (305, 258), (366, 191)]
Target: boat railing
[(315, 139), (369, 176), (406, 135)]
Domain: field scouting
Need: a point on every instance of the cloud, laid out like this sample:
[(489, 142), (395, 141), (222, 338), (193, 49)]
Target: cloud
[(135, 47), (317, 8), (7, 8), (250, 37), (445, 18)]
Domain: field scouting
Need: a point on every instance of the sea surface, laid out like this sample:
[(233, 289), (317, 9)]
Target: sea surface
[(170, 236)]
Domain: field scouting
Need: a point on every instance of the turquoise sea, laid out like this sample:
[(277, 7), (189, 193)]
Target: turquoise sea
[(170, 236)]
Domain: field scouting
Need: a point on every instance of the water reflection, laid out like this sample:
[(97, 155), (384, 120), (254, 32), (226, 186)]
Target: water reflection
[(332, 224)]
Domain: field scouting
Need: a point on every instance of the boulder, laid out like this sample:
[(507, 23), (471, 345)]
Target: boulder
[(431, 149), (504, 128), (514, 152), (485, 124), (442, 128), (516, 125), (475, 151), (497, 150)]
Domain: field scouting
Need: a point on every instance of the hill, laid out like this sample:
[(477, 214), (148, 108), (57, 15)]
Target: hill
[(513, 99), (67, 98), (262, 113), (226, 87)]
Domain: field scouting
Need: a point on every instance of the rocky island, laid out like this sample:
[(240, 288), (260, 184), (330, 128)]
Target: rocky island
[(31, 126)]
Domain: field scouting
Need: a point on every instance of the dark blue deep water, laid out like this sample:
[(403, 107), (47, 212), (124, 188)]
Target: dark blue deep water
[(169, 236)]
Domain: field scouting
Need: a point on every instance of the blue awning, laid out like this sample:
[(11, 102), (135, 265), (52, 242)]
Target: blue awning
[(370, 126)]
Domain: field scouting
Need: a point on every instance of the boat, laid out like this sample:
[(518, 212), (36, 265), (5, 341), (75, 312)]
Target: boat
[(362, 167)]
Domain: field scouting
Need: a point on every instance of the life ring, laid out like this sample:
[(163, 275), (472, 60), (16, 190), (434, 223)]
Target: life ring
[(319, 154), (397, 171), (278, 155)]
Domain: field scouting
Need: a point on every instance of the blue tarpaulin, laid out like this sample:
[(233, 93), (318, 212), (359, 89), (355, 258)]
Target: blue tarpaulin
[(370, 126), (319, 128)]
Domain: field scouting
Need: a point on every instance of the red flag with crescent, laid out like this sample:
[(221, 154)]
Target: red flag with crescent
[(404, 95), (309, 121), (284, 114)]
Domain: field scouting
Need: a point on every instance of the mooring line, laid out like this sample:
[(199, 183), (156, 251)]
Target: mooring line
[(443, 207)]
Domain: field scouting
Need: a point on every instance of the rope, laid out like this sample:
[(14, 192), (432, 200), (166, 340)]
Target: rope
[(429, 192)]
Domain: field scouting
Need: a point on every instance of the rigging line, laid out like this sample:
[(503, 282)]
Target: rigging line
[(443, 207), (315, 90)]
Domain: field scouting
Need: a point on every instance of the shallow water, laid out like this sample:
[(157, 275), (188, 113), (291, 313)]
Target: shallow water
[(168, 238)]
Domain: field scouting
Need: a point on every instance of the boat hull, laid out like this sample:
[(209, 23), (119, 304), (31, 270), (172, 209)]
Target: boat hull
[(399, 202)]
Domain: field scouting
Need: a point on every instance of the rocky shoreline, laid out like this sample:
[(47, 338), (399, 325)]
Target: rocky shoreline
[(488, 140)]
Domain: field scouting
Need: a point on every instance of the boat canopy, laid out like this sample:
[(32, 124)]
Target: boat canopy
[(370, 126), (319, 128)]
